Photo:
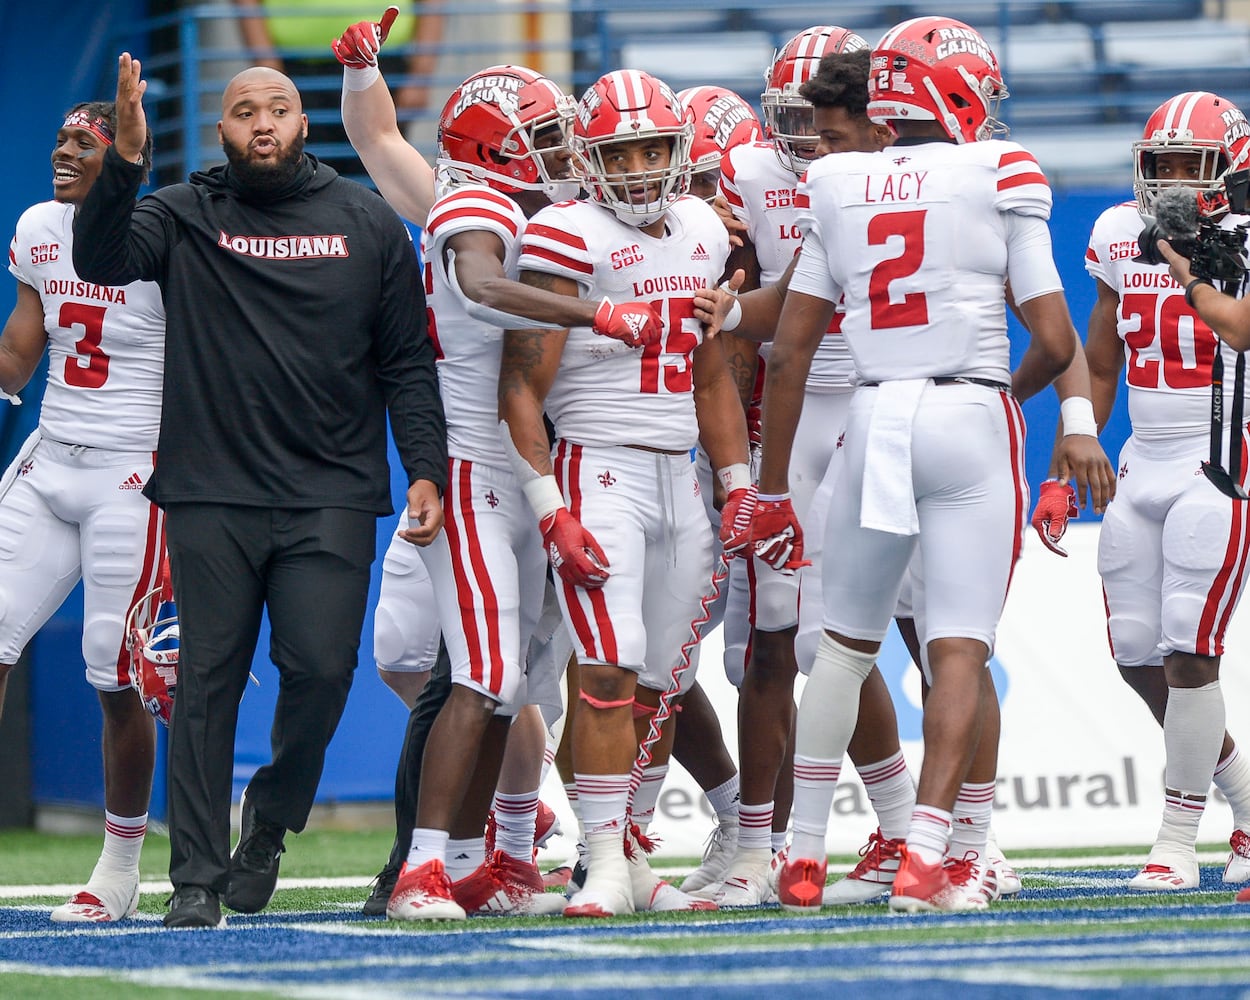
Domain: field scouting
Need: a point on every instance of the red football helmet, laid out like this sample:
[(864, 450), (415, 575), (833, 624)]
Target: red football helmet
[(937, 69), (788, 116), (488, 131), (1197, 122), (722, 120), (624, 106), (152, 639)]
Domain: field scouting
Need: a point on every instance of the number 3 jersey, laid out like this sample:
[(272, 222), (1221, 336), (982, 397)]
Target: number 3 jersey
[(106, 345), (607, 393), (1168, 350)]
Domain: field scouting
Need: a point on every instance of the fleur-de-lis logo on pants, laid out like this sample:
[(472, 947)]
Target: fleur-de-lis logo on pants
[(606, 479)]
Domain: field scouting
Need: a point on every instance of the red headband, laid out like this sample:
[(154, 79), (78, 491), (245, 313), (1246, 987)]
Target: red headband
[(97, 125)]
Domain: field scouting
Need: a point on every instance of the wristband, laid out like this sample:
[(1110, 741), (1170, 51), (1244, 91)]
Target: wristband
[(1077, 414), (544, 496), (356, 80), (735, 477), (1189, 290), (732, 318)]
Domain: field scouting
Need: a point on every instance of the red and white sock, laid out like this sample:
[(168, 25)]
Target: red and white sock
[(815, 781), (892, 793), (515, 817), (929, 833)]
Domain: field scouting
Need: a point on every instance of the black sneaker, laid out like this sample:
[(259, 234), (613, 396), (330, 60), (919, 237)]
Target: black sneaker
[(380, 895), (254, 863), (194, 906)]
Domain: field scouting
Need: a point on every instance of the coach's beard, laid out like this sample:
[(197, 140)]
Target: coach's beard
[(265, 177)]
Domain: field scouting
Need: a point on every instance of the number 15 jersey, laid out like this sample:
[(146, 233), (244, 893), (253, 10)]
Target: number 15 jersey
[(607, 393)]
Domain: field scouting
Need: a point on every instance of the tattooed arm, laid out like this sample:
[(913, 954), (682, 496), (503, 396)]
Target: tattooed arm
[(530, 361)]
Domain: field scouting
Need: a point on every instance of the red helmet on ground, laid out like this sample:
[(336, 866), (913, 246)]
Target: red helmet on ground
[(787, 116), (152, 639), (1197, 122), (622, 106), (488, 131), (937, 69), (722, 120)]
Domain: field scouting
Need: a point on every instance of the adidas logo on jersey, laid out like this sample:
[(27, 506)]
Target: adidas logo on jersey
[(700, 253), (133, 483)]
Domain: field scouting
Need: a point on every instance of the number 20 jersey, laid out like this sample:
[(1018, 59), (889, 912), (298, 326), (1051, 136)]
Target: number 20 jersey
[(106, 345), (1168, 350), (607, 393)]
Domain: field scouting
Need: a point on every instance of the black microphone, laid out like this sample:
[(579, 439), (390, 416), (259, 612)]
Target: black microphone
[(1176, 211), (1175, 220)]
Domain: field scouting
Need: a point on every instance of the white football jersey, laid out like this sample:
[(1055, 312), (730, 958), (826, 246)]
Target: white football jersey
[(106, 345), (1168, 350), (468, 349), (915, 239), (762, 193), (607, 393)]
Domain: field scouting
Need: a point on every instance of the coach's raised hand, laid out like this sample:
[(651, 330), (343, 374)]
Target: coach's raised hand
[(359, 45), (132, 121)]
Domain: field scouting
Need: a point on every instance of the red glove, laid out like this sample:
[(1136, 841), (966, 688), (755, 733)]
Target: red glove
[(634, 323), (735, 520), (358, 48), (1055, 505), (573, 551), (777, 536), (755, 429)]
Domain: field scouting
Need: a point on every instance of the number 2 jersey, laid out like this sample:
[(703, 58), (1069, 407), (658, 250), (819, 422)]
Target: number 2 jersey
[(106, 344), (1168, 350), (607, 393), (920, 239)]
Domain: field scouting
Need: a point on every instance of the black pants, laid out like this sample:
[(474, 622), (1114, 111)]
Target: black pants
[(408, 774), (310, 570)]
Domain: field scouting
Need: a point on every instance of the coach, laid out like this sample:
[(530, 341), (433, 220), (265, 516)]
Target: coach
[(295, 323)]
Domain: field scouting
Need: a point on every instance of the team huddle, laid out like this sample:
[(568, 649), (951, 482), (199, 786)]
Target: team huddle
[(671, 369)]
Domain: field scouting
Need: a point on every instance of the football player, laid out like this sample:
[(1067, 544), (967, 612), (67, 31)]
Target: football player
[(502, 155), (618, 502), (71, 503), (759, 182), (931, 450), (1172, 548)]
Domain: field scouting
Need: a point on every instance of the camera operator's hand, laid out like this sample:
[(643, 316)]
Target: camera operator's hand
[(1178, 265)]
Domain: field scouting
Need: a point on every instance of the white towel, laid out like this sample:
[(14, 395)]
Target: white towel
[(888, 500)]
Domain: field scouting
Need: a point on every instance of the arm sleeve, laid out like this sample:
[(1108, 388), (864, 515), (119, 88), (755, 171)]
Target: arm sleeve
[(1030, 262), (113, 243), (406, 362)]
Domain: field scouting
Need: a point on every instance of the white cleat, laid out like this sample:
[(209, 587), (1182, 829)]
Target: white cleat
[(705, 881), (978, 883), (747, 880), (1168, 869), (600, 899), (651, 893), (102, 900), (1008, 880), (1237, 870), (871, 879)]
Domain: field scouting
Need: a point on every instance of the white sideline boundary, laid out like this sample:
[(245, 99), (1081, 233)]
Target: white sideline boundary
[(1026, 867)]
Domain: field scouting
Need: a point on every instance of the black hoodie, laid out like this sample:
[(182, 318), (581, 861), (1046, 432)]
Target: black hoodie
[(292, 324)]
